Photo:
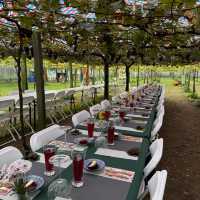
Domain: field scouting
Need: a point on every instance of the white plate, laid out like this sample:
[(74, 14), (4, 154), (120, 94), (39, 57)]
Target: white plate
[(38, 180), (19, 166)]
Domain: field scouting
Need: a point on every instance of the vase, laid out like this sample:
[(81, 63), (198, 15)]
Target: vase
[(23, 196)]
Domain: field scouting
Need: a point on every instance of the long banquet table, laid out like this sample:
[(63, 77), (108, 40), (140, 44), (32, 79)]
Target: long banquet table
[(101, 188), (97, 186)]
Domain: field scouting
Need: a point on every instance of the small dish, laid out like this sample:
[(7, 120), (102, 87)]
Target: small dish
[(34, 182), (94, 165)]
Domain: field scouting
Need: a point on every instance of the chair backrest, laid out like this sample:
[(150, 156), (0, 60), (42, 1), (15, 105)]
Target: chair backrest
[(49, 96), (8, 155), (69, 93), (156, 154), (95, 109), (6, 103), (116, 99), (156, 185), (60, 94), (44, 136), (105, 104), (124, 95), (157, 126), (92, 90), (80, 117), (161, 111), (26, 100)]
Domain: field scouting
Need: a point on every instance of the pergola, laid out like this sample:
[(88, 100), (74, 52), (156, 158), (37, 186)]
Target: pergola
[(108, 32)]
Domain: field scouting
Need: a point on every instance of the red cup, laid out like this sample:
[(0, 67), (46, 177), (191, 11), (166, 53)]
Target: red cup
[(107, 115), (49, 151), (78, 169), (122, 115), (90, 127), (111, 135), (78, 165)]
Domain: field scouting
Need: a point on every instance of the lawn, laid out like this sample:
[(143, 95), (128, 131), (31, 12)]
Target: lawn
[(7, 88)]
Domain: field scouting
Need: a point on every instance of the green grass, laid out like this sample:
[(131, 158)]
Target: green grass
[(7, 88)]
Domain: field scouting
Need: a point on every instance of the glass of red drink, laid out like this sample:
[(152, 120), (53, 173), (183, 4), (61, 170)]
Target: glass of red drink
[(107, 115), (90, 127), (49, 151), (122, 114), (78, 157), (111, 135)]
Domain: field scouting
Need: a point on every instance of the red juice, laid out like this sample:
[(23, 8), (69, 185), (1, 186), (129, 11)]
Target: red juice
[(131, 104), (78, 168), (107, 115), (111, 135), (122, 115), (48, 153), (90, 127)]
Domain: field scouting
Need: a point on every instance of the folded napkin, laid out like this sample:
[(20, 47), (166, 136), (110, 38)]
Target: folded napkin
[(136, 116), (115, 153), (85, 132), (123, 128)]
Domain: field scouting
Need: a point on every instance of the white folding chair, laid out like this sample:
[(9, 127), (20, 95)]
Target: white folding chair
[(161, 111), (80, 117), (156, 127), (94, 110), (70, 100), (124, 95), (156, 150), (50, 107), (59, 104), (116, 99), (27, 110), (105, 104), (8, 155), (6, 109), (43, 137), (156, 186)]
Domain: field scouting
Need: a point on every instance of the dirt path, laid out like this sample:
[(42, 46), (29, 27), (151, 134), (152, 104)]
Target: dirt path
[(181, 158)]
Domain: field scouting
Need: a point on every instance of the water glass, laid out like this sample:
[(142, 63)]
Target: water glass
[(100, 142), (59, 188)]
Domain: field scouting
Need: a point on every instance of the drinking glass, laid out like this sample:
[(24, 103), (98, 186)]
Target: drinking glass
[(67, 132), (90, 127), (107, 115), (78, 157), (59, 188), (122, 115), (49, 151), (111, 135), (100, 142)]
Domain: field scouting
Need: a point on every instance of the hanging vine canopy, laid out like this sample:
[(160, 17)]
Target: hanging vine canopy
[(164, 31)]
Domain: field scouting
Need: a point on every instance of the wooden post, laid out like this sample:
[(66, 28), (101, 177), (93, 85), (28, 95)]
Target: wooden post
[(106, 81), (39, 74), (127, 77), (71, 74), (138, 76), (24, 74)]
